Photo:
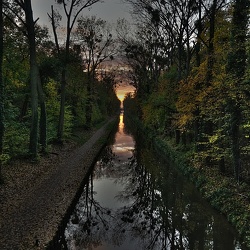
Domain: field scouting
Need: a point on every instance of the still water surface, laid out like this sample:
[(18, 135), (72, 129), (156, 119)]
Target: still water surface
[(136, 201)]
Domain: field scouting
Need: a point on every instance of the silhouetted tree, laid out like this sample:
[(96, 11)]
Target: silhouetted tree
[(72, 9), (97, 45)]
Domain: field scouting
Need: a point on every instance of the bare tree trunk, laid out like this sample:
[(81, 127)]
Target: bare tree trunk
[(1, 89), (197, 120), (60, 127), (64, 83), (88, 107), (34, 110), (24, 107), (43, 127), (43, 117), (34, 76), (210, 57), (62, 106)]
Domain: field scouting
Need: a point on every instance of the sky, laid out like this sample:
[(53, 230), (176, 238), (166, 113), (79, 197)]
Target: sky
[(108, 10)]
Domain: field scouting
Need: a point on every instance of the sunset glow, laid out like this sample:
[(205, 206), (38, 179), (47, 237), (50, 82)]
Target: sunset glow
[(122, 83), (121, 91)]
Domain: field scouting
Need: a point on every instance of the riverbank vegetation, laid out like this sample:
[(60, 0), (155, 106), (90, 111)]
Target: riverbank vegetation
[(190, 65), (49, 87), (221, 191)]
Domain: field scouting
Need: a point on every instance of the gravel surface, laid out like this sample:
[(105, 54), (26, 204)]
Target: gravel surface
[(35, 197)]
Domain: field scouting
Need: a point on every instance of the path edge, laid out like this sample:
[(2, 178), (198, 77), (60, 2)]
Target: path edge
[(58, 240)]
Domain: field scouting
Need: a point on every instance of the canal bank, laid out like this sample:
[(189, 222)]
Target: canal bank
[(31, 217), (222, 192), (135, 199)]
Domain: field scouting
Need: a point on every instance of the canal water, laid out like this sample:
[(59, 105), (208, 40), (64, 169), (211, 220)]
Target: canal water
[(135, 201)]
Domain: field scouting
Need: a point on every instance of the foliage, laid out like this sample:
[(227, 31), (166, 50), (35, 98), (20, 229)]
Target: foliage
[(196, 101), (158, 110), (16, 133), (96, 45), (221, 191), (130, 105), (53, 107), (56, 63), (107, 100)]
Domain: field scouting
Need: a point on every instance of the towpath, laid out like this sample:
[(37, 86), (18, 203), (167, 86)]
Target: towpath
[(30, 216)]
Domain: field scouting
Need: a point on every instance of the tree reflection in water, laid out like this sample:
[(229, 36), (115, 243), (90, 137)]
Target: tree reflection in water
[(133, 200)]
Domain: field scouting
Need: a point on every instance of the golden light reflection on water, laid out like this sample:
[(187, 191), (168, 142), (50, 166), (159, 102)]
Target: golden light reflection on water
[(124, 143), (121, 123)]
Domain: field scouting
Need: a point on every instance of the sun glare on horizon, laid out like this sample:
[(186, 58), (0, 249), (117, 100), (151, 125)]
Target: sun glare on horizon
[(121, 91)]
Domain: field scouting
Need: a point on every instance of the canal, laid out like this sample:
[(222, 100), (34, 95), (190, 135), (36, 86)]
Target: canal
[(136, 201)]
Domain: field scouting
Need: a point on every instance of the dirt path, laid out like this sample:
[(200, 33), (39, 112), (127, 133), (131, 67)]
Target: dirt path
[(37, 208)]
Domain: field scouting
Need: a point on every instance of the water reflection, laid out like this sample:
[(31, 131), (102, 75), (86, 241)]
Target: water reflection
[(135, 201)]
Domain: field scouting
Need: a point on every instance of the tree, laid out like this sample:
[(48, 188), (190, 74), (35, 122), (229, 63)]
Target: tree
[(202, 123), (176, 22), (27, 25), (236, 69), (72, 9), (35, 81), (97, 46), (107, 99)]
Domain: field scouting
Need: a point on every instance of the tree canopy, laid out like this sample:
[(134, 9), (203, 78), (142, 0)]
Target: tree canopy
[(200, 97), (33, 69)]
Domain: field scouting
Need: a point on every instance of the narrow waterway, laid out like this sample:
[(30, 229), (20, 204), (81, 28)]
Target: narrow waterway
[(136, 201)]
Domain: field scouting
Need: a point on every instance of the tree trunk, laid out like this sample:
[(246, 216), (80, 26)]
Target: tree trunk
[(210, 52), (197, 122), (89, 108), (177, 136), (180, 53), (1, 89), (63, 85), (34, 78), (60, 127), (24, 107), (43, 127), (88, 111), (62, 107), (34, 110), (199, 32), (236, 67), (235, 137), (43, 118)]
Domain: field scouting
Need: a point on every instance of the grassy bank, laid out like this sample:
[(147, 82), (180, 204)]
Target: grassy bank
[(221, 191)]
